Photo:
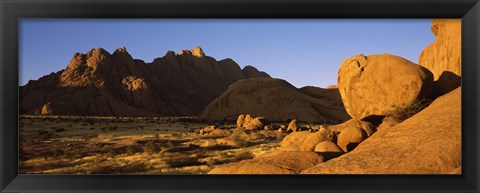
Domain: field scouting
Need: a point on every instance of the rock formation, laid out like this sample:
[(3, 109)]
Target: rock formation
[(279, 162), (328, 150), (376, 85), (443, 56), (292, 126), (104, 84), (315, 138), (366, 126), (426, 143), (294, 141), (276, 100), (350, 137)]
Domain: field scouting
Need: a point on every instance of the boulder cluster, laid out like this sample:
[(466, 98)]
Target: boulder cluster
[(253, 124), (329, 142), (374, 89)]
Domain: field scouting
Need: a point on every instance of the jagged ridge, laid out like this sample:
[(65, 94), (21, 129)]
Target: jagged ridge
[(103, 84)]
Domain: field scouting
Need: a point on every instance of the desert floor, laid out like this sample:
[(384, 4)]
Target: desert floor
[(110, 145)]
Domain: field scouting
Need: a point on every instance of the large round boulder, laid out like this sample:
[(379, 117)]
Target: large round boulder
[(327, 146), (294, 141), (350, 137), (376, 85), (328, 149)]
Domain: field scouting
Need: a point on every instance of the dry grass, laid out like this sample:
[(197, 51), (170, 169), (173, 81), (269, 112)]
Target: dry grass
[(108, 145), (402, 113)]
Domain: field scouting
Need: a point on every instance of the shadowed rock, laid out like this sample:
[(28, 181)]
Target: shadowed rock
[(104, 84), (279, 162), (274, 99), (444, 56)]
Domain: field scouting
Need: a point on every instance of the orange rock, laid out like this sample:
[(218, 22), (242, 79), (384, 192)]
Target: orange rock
[(378, 84), (279, 162), (429, 142)]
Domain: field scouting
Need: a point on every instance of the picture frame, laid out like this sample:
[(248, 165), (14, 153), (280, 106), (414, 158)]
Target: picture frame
[(11, 11)]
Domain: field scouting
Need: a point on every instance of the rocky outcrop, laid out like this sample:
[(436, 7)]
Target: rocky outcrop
[(376, 85), (366, 126), (426, 143), (331, 94), (104, 84), (294, 141), (443, 56), (252, 72), (350, 137), (274, 99), (315, 138), (292, 126), (279, 162), (328, 150)]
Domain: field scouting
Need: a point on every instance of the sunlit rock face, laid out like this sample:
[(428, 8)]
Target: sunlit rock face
[(427, 143), (443, 56), (376, 85)]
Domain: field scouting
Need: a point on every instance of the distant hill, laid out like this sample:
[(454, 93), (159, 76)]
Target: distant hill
[(102, 84), (277, 100)]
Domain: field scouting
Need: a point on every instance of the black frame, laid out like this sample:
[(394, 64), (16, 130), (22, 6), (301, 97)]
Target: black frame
[(11, 11)]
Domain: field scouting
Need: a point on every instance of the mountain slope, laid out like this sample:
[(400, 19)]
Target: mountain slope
[(277, 100), (103, 84)]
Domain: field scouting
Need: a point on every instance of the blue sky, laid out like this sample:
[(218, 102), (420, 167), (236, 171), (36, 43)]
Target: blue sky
[(303, 52)]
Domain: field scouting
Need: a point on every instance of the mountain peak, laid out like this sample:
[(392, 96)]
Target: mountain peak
[(197, 51), (122, 50), (170, 54), (97, 52)]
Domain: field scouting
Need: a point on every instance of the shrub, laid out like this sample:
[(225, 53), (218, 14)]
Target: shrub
[(90, 136), (59, 129), (402, 113), (244, 154), (131, 150), (181, 161), (151, 147)]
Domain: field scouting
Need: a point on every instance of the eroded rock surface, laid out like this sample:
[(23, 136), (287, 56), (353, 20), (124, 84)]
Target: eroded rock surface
[(279, 162), (376, 85), (426, 143), (443, 56)]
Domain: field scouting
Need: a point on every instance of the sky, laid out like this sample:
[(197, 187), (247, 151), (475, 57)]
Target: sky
[(305, 52)]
